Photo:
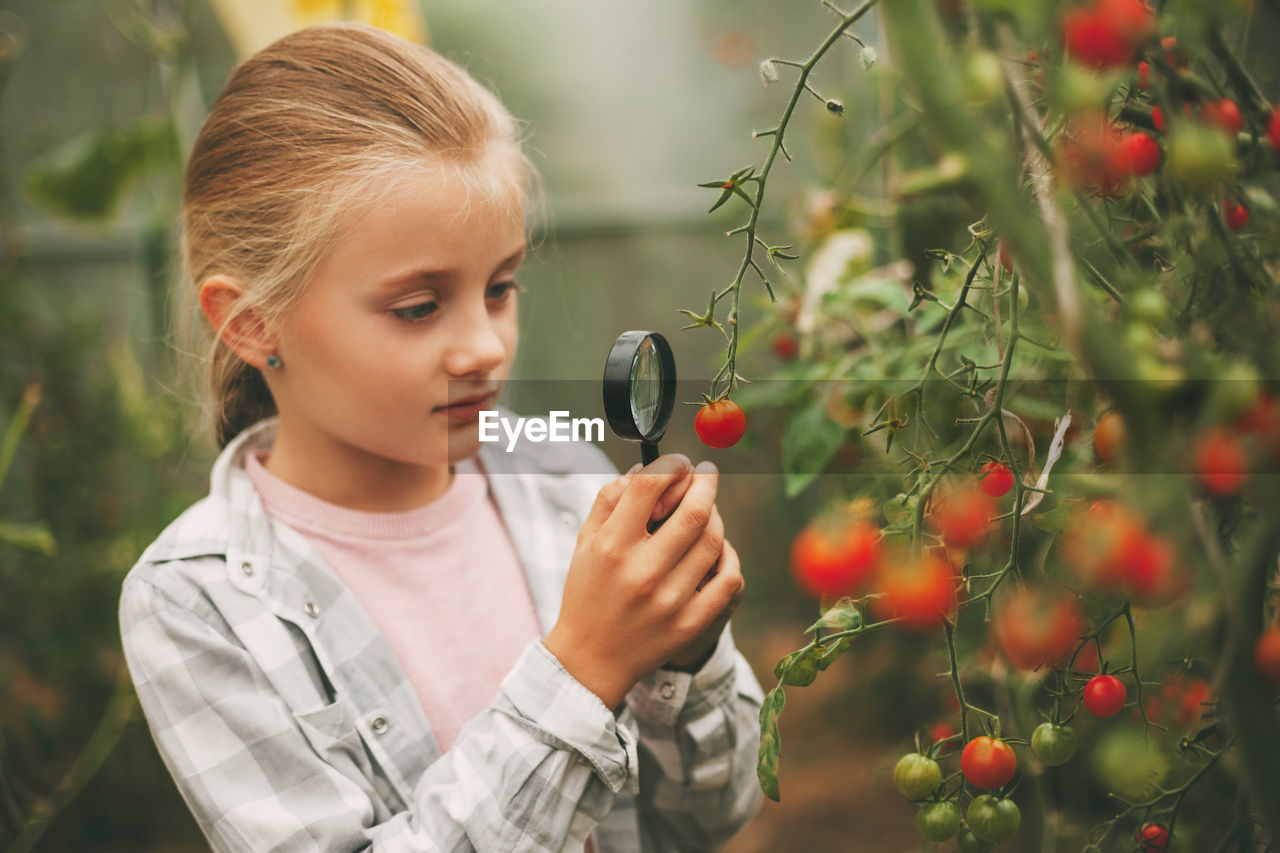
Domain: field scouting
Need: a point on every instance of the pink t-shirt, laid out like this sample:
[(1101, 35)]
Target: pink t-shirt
[(443, 583)]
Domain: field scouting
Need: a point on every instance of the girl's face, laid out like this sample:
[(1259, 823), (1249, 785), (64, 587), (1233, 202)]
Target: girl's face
[(412, 308)]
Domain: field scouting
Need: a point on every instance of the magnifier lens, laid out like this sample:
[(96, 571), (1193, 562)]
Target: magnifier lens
[(646, 386)]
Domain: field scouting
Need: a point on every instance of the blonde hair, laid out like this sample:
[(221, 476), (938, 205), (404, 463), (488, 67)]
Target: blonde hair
[(306, 133)]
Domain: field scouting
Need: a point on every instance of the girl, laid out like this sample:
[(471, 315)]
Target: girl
[(375, 633)]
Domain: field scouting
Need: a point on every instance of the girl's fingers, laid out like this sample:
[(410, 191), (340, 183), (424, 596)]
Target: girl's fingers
[(671, 497), (691, 571), (722, 591), (642, 492)]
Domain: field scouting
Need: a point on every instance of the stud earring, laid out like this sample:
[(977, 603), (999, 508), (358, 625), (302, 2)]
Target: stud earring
[(273, 361)]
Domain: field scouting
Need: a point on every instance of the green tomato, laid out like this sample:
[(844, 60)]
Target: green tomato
[(917, 776), (1148, 306), (1199, 157), (1053, 744), (993, 819), (984, 77), (938, 821), (970, 843)]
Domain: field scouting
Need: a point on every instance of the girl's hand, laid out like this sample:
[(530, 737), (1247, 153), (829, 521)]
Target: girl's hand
[(633, 599), (695, 654)]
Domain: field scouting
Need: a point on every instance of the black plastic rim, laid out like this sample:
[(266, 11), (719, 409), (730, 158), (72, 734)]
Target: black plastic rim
[(617, 385)]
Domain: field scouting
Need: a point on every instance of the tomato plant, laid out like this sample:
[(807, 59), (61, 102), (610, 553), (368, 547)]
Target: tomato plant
[(720, 424), (1072, 279)]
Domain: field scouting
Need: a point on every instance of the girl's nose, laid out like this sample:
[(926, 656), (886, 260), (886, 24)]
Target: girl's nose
[(477, 346)]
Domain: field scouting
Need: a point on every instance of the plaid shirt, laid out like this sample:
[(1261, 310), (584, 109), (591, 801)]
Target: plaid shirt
[(288, 723)]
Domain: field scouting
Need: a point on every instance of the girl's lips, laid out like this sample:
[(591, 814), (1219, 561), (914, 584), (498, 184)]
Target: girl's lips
[(473, 403), (466, 411)]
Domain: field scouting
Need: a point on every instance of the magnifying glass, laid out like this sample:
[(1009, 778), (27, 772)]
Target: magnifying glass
[(640, 389)]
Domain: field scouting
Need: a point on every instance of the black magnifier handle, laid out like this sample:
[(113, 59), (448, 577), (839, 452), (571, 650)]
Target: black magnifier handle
[(648, 452)]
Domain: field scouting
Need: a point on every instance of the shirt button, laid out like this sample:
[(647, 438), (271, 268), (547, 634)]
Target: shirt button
[(312, 610), (568, 519), (667, 690), (247, 568), (379, 725)]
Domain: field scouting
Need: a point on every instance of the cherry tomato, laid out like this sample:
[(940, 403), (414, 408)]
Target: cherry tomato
[(1140, 153), (1108, 436), (1152, 837), (941, 731), (996, 479), (917, 776), (1220, 461), (1005, 257), (1199, 158), (1266, 654), (962, 514), (1237, 215), (993, 819), (938, 821), (970, 843), (720, 424), (1034, 630), (1106, 32), (785, 347), (835, 559), (1053, 744), (1273, 129), (1225, 114), (1089, 154), (1157, 118), (1104, 695), (988, 764), (919, 593), (1144, 76)]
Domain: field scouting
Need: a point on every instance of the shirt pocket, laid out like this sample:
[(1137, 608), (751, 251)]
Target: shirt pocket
[(331, 731)]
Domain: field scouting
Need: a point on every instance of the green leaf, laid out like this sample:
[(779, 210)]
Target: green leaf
[(85, 178), (831, 651), (799, 668), (842, 616), (33, 537), (810, 441), (770, 742)]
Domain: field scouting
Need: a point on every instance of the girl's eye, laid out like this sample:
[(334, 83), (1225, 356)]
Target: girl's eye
[(413, 313), (506, 288), (423, 310)]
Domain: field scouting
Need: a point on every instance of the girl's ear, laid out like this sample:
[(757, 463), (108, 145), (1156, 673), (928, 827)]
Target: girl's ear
[(243, 331)]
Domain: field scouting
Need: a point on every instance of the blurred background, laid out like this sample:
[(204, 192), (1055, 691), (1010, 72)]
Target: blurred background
[(629, 107)]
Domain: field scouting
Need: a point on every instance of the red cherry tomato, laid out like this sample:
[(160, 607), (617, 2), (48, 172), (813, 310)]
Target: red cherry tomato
[(919, 593), (1157, 118), (1273, 129), (962, 515), (720, 424), (831, 560), (785, 347), (1108, 436), (1106, 32), (1140, 152), (1221, 463), (1104, 695), (996, 480), (1152, 837), (988, 763), (1266, 654), (1034, 630), (1144, 76), (1225, 114), (1237, 215)]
